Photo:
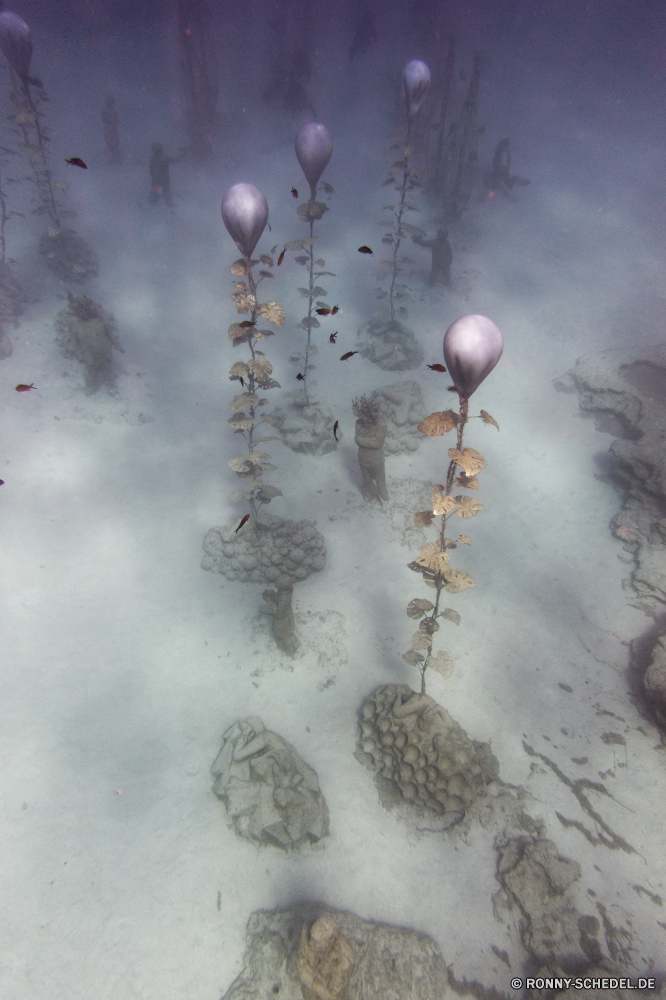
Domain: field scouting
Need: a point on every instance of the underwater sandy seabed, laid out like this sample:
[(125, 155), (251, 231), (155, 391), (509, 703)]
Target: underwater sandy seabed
[(124, 662)]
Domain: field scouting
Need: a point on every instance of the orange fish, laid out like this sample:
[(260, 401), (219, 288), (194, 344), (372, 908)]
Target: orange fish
[(334, 310), (334, 336), (246, 323), (244, 520), (335, 429), (301, 378), (364, 249), (349, 354), (323, 312), (76, 161), (281, 257), (437, 368), (25, 388), (294, 192)]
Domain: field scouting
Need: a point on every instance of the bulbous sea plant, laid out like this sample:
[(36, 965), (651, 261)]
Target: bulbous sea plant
[(245, 214), (404, 178), (314, 147), (472, 347)]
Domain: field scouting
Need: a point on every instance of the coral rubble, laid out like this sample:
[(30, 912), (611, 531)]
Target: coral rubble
[(271, 795), (389, 344)]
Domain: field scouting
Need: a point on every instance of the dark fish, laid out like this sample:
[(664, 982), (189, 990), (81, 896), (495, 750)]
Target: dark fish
[(281, 257), (323, 312), (335, 310), (244, 520), (437, 368), (301, 378), (364, 249), (246, 323), (452, 388), (335, 429), (25, 388), (2, 482), (294, 192), (334, 336), (240, 379), (349, 354), (76, 161)]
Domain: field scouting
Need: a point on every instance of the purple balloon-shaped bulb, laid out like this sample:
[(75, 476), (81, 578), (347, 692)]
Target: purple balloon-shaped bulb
[(15, 42), (472, 347), (415, 83), (245, 214), (314, 147)]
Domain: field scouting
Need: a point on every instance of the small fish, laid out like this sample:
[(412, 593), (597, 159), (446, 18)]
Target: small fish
[(294, 192), (335, 429), (246, 323), (437, 368), (323, 312), (301, 378), (241, 380), (244, 520), (334, 336), (281, 257), (452, 388), (349, 354), (364, 249), (335, 310), (25, 388), (76, 161), (2, 482)]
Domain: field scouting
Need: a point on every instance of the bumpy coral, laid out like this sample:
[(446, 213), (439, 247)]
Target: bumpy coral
[(305, 424), (271, 794), (390, 345), (263, 553), (401, 407), (68, 254), (420, 755), (87, 332)]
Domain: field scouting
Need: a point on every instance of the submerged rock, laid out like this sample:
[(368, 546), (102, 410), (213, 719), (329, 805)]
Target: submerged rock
[(87, 332), (389, 344), (389, 962), (401, 408), (271, 795), (305, 424)]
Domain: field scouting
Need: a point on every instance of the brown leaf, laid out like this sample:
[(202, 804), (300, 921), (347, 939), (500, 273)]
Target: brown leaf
[(487, 419), (245, 399), (415, 659), (457, 580), (239, 268), (421, 641), (302, 243), (468, 507), (239, 334), (423, 518), (244, 301), (468, 459), (439, 423), (262, 334), (428, 626), (241, 423), (241, 466), (261, 368), (464, 540), (239, 370), (452, 615), (432, 558), (418, 607), (442, 504), (266, 274), (272, 312), (265, 259), (468, 482), (442, 663)]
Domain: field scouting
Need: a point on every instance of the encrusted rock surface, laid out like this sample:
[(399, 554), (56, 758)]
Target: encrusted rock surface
[(625, 392), (68, 255), (305, 424), (391, 963), (272, 796), (402, 410), (422, 758), (390, 345), (262, 555)]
